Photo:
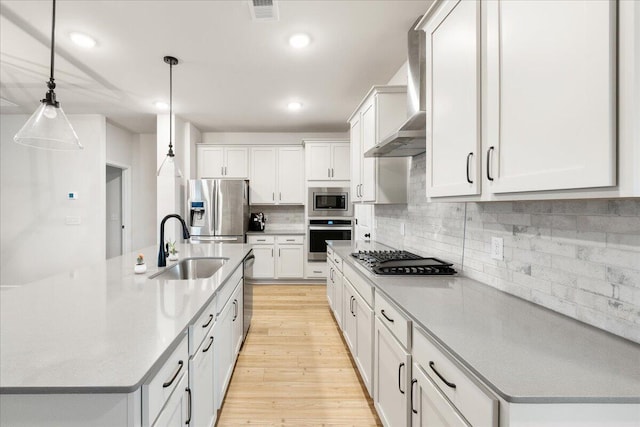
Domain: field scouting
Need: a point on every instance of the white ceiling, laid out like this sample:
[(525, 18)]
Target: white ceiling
[(235, 75)]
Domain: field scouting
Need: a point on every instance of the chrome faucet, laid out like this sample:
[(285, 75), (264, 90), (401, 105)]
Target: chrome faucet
[(162, 254)]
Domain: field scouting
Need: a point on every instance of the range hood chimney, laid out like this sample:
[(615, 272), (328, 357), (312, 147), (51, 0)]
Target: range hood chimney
[(410, 139)]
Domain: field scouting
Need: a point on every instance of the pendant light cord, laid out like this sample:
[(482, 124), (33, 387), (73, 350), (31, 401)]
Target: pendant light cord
[(170, 108), (51, 83)]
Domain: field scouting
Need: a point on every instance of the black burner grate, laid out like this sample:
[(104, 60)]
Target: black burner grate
[(392, 263)]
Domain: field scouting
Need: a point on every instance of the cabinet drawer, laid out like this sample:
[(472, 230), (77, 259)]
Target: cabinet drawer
[(359, 284), (253, 239), (473, 400), (157, 390), (227, 289), (397, 323), (198, 330), (290, 240), (317, 270)]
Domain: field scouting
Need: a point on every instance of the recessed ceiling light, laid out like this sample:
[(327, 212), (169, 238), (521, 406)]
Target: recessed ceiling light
[(82, 40), (294, 106), (161, 105), (299, 40)]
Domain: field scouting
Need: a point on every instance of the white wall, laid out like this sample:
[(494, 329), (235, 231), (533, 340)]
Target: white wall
[(192, 137), (267, 138), (143, 215), (35, 242)]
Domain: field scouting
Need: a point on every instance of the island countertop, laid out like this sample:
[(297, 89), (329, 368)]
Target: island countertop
[(101, 328), (525, 353)]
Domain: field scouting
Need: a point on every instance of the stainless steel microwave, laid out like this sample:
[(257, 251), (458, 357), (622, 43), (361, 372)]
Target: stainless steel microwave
[(329, 201)]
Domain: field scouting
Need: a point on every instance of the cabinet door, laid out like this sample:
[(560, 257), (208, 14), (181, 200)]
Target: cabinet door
[(210, 162), (363, 215), (290, 258), (201, 382), (341, 162), (237, 162), (330, 284), (349, 324), (262, 189), (236, 322), (364, 339), (429, 407), (318, 161), (338, 302), (392, 366), (175, 413), (551, 95), (453, 79), (290, 175), (368, 164), (264, 265), (223, 351), (356, 158)]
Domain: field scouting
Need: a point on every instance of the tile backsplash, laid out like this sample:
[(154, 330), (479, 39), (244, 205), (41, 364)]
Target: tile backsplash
[(579, 257), (282, 217)]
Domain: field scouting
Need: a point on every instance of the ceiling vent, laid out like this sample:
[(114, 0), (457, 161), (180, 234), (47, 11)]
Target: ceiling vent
[(263, 10)]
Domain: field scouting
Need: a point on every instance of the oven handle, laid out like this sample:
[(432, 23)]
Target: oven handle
[(330, 228)]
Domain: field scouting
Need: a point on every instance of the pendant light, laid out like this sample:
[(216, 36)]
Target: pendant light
[(48, 127), (169, 166)]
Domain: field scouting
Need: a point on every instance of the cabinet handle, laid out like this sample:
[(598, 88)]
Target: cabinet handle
[(209, 322), (368, 235), (432, 365), (413, 382), (188, 390), (273, 196), (209, 346), (222, 170), (328, 172), (291, 240), (317, 271), (279, 252), (400, 377), (386, 317), (175, 375), (353, 299), (468, 177), (489, 152), (271, 252), (331, 274), (333, 173), (261, 240), (235, 310), (280, 196)]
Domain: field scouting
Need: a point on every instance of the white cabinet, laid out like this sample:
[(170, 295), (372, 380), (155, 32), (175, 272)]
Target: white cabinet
[(223, 353), (327, 161), (551, 95), (378, 180), (453, 99), (277, 176), (223, 162), (176, 411), (202, 383), (236, 320), (363, 216), (358, 331), (334, 291), (392, 380), (277, 257)]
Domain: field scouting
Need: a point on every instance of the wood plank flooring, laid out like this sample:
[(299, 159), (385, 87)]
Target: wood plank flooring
[(294, 368)]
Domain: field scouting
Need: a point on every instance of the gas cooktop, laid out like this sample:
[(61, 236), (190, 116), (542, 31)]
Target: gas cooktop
[(397, 263)]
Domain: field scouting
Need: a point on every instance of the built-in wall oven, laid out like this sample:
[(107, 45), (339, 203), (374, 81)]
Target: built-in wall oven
[(329, 202), (321, 230)]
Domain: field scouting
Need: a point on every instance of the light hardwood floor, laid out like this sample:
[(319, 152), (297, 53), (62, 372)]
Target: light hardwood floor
[(294, 368)]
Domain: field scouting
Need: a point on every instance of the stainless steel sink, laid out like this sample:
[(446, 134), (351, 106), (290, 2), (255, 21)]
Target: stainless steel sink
[(191, 268)]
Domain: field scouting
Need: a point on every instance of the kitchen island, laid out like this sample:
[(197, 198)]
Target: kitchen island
[(537, 365), (99, 330)]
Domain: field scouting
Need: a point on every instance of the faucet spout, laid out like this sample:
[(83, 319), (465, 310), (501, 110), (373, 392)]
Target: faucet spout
[(162, 254)]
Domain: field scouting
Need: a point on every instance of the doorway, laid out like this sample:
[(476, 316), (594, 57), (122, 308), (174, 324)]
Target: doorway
[(114, 222)]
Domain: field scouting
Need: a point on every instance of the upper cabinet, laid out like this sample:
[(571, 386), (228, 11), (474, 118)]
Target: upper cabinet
[(378, 180), (521, 99), (223, 162), (277, 175), (327, 161), (453, 79)]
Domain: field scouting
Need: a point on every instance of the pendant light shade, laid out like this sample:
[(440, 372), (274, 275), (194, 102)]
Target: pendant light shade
[(48, 128), (169, 167)]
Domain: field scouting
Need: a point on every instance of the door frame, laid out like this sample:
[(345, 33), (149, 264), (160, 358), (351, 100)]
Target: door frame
[(127, 235)]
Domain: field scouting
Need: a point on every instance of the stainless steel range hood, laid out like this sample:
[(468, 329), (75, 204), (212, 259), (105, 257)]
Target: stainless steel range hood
[(410, 138)]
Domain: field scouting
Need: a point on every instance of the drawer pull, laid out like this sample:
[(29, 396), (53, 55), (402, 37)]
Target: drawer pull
[(209, 346), (413, 382), (261, 240), (386, 317), (209, 322), (188, 390), (400, 377), (351, 305), (489, 152), (291, 240), (317, 271), (175, 375), (337, 260), (432, 365)]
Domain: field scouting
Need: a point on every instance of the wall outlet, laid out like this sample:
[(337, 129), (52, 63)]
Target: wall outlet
[(497, 248)]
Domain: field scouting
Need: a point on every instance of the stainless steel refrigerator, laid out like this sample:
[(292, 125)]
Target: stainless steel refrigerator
[(218, 210)]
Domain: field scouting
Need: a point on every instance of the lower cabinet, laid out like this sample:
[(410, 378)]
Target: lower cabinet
[(202, 384), (392, 378), (236, 320), (177, 411), (224, 350), (277, 257), (429, 406), (290, 261), (334, 292), (358, 331)]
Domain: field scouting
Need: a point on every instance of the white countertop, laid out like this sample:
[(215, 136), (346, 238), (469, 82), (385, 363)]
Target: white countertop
[(279, 231), (101, 328), (522, 351)]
